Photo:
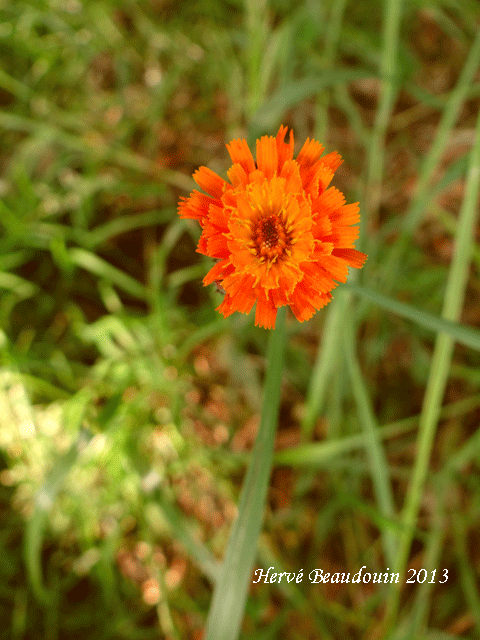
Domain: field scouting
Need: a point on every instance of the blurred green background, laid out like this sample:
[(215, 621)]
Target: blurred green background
[(128, 405)]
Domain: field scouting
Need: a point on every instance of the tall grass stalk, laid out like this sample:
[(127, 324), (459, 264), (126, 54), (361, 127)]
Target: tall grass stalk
[(430, 163), (388, 72), (440, 367)]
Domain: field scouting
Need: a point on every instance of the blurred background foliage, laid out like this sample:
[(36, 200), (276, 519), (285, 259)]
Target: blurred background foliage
[(128, 405)]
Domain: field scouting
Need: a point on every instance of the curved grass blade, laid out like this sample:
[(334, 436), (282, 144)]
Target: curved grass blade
[(104, 269), (460, 333), (291, 94)]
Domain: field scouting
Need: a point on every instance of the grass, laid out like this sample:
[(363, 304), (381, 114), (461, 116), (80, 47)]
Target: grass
[(129, 407)]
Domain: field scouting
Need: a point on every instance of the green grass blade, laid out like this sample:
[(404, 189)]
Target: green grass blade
[(321, 454), (269, 114), (391, 31), (92, 263), (468, 578), (433, 548), (441, 362), (327, 358), (460, 333), (332, 38), (23, 288), (124, 224), (11, 84), (292, 592), (374, 449), (231, 590), (96, 148), (257, 29), (198, 551), (429, 165)]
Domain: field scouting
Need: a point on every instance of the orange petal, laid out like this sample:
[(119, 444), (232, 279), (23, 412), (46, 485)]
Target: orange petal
[(256, 176), (335, 267), (265, 313), (241, 154), (309, 153), (240, 290), (226, 307), (237, 175), (202, 245), (267, 275), (215, 273), (242, 258), (215, 229), (354, 258), (316, 177), (297, 215), (316, 278), (291, 172), (332, 160), (244, 207), (323, 177), (284, 150), (328, 202), (267, 158), (321, 227), (342, 236), (240, 234), (321, 250), (304, 301), (290, 274), (218, 216), (278, 297), (300, 306), (217, 246), (209, 181), (196, 206), (303, 248), (348, 214)]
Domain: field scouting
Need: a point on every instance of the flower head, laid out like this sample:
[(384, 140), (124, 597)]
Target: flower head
[(279, 234)]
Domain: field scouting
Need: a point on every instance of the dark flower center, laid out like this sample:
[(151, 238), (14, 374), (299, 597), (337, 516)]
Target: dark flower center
[(270, 238)]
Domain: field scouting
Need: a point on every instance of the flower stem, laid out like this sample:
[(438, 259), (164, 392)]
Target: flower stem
[(231, 589)]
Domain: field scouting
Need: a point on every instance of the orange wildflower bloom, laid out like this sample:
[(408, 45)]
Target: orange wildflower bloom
[(279, 235)]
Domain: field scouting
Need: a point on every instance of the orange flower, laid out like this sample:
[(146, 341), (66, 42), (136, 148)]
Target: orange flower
[(279, 235)]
